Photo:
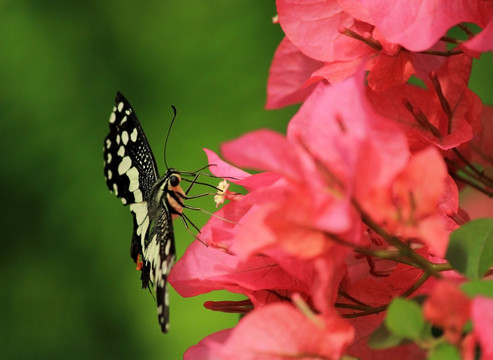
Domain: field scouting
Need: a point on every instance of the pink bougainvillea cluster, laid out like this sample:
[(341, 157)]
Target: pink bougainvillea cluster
[(355, 204)]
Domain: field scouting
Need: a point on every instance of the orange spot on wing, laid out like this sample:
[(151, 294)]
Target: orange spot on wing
[(139, 263)]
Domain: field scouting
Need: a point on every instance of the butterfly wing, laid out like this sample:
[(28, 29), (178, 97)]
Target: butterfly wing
[(130, 168), (160, 254)]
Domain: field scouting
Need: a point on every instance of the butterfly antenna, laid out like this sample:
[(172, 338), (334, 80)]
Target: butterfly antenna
[(167, 136)]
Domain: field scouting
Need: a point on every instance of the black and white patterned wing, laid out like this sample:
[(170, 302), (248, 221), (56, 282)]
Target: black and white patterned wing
[(131, 173), (160, 253), (130, 169)]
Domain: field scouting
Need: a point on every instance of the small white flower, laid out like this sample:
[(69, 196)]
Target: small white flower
[(221, 192)]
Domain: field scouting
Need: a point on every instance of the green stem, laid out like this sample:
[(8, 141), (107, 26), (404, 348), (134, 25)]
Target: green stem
[(443, 267), (416, 285), (442, 53), (473, 184), (464, 28), (486, 180), (451, 40)]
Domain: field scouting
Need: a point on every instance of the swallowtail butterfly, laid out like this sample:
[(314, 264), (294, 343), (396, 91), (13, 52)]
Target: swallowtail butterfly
[(131, 174)]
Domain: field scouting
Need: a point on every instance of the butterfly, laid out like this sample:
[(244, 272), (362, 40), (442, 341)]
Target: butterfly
[(132, 175)]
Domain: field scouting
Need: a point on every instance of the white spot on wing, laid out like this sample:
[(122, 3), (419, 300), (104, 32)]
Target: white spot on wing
[(141, 217), (133, 135), (120, 106), (124, 165), (112, 118), (110, 174), (123, 120), (121, 151), (125, 137), (118, 138), (108, 158), (138, 195), (140, 211), (152, 251), (167, 247), (115, 189), (133, 175), (124, 201), (108, 143)]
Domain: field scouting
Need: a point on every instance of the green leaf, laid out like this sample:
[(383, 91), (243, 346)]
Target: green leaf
[(470, 249), (382, 338), (405, 319), (478, 287), (444, 351)]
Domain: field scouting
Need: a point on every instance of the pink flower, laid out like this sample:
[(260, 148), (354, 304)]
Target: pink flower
[(357, 147), (289, 72), (482, 317), (449, 309), (369, 156), (252, 265), (337, 142), (422, 114), (418, 25), (409, 207), (337, 151), (314, 49), (375, 283), (330, 40), (262, 278), (263, 260), (277, 331), (295, 207), (313, 27)]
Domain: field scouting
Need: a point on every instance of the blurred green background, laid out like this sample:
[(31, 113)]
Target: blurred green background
[(69, 287)]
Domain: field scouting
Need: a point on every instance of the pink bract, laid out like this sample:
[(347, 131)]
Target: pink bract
[(289, 72), (313, 27), (277, 331), (482, 316), (448, 308), (417, 25)]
